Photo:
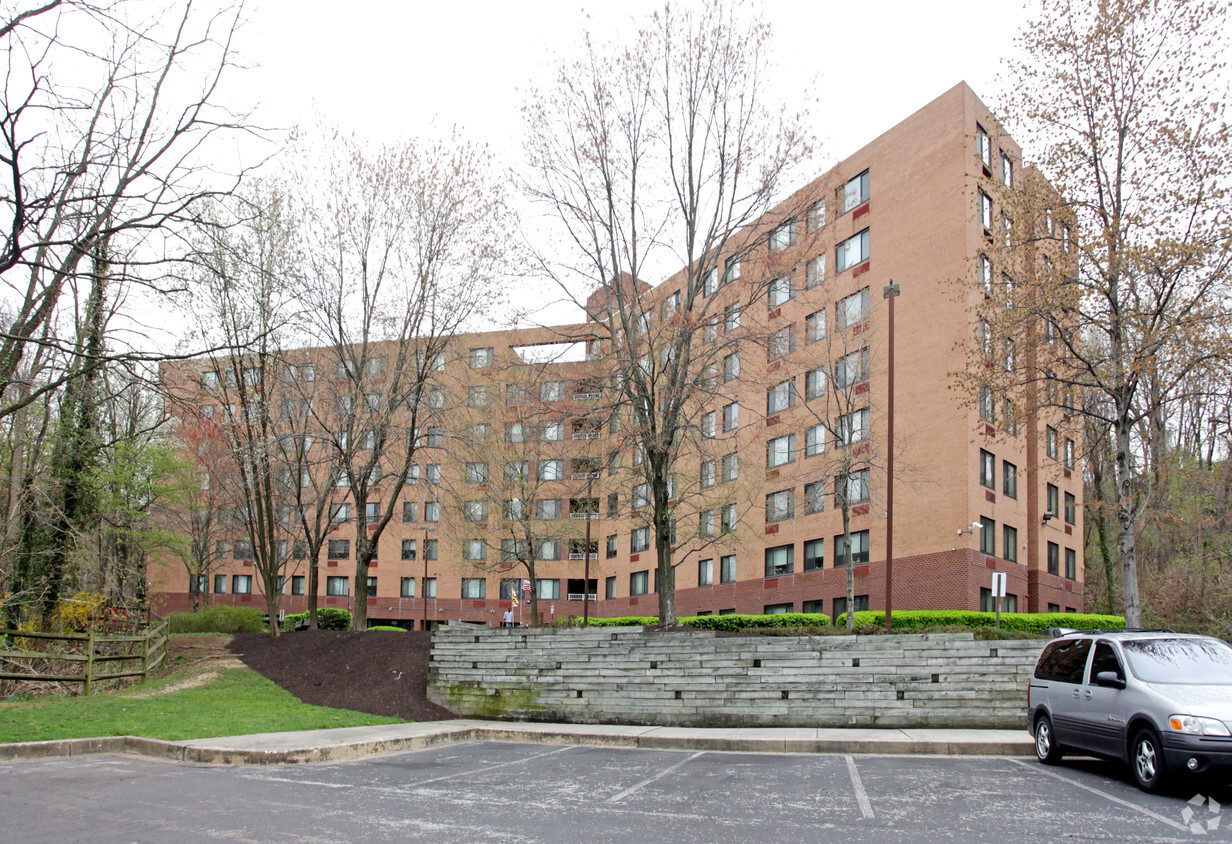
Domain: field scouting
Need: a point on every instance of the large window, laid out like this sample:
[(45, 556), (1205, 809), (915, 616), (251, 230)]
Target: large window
[(474, 550), (851, 488), (852, 310), (781, 291), (727, 569), (780, 506), (988, 536), (547, 589), (1009, 479), (406, 587), (1053, 500), (852, 252), (639, 582), (983, 145), (337, 586), (814, 554), (815, 440), (1071, 564), (780, 560), (639, 539), (782, 343), (1010, 545), (988, 468), (814, 497), (783, 236), (339, 549), (474, 587), (855, 192), (551, 470), (731, 467), (429, 587), (780, 397), (859, 549), (1071, 508), (731, 417), (476, 473), (241, 584), (410, 549), (1054, 558), (814, 384), (340, 513), (851, 369), (853, 427), (780, 451), (705, 572)]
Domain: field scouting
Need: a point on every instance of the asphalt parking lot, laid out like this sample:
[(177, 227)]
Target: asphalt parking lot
[(490, 791)]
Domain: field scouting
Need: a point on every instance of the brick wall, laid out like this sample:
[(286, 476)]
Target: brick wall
[(698, 678)]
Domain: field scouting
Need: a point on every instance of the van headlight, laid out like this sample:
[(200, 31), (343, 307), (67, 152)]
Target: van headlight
[(1197, 726)]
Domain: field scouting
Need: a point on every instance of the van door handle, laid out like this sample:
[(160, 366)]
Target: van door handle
[(1086, 694), (1075, 694)]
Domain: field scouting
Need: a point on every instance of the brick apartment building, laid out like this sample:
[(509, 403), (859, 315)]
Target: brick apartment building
[(979, 487)]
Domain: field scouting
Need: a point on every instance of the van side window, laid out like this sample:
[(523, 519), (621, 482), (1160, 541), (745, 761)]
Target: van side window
[(1105, 659), (1063, 661)]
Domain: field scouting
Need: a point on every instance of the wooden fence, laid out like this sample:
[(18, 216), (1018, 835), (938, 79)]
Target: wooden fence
[(93, 651)]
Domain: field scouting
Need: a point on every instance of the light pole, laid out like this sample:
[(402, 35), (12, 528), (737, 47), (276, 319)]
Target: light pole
[(891, 292), (424, 585)]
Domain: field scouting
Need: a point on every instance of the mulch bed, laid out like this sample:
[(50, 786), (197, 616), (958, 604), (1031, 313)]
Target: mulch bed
[(383, 673)]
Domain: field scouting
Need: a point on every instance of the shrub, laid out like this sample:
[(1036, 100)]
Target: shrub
[(328, 618), (218, 620), (388, 627), (724, 622), (1020, 622), (75, 614)]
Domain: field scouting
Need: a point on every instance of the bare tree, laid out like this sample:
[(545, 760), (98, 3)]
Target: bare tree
[(664, 151), (406, 245), (1119, 277), (106, 112)]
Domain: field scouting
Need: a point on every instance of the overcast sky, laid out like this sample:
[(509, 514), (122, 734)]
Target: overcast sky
[(385, 70)]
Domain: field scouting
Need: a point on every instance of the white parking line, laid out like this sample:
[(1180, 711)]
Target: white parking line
[(866, 808), (1040, 769), (622, 795)]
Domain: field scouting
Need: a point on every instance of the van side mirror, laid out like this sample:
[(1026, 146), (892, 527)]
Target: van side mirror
[(1110, 680)]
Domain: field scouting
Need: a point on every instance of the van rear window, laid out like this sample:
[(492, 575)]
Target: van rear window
[(1063, 661)]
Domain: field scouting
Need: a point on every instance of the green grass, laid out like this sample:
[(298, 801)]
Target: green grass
[(237, 702)]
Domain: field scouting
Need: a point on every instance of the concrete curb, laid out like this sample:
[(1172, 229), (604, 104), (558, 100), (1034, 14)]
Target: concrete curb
[(358, 742)]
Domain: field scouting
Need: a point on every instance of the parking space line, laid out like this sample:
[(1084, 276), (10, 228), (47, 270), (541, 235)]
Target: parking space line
[(631, 789), (866, 808), (1040, 769)]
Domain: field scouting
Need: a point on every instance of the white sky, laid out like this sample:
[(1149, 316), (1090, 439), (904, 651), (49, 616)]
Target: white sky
[(384, 70)]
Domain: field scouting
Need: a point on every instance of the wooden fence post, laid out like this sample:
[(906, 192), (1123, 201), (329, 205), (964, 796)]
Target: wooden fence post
[(88, 681), (145, 656)]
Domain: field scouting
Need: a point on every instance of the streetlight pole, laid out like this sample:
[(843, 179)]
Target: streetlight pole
[(891, 292), (590, 479)]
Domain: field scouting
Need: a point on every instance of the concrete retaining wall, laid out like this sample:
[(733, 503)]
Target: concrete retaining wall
[(697, 678)]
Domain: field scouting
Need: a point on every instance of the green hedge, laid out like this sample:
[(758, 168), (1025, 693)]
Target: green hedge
[(388, 627), (724, 622), (328, 618), (1025, 622), (218, 620)]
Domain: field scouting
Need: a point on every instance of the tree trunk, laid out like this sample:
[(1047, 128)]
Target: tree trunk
[(1127, 516), (851, 568), (314, 583)]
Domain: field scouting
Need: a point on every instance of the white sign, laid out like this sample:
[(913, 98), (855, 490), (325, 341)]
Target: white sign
[(998, 584)]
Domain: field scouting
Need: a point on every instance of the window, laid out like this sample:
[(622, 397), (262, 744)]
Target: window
[(984, 273), (782, 343), (478, 397), (851, 369), (815, 440), (731, 467), (434, 437), (852, 310), (731, 417), (513, 549), (731, 367), (409, 549), (780, 560), (985, 211), (988, 536), (474, 550), (1009, 418), (609, 588), (406, 587), (1007, 170), (781, 291), (612, 546), (815, 272), (337, 586), (1007, 239), (547, 549), (220, 584), (777, 609), (432, 511), (1070, 509), (474, 587), (241, 584), (732, 271), (983, 145), (639, 582), (429, 587), (814, 384), (430, 549), (476, 473), (1054, 558), (814, 554), (1069, 453), (780, 451), (515, 394), (1050, 442), (783, 236), (1053, 500), (410, 511), (987, 410), (706, 474), (727, 569), (412, 475), (852, 252), (639, 540), (1009, 547), (855, 192), (550, 509), (731, 317), (553, 432), (371, 590), (481, 358), (1009, 480), (475, 511), (851, 488), (780, 506), (209, 380), (988, 465), (815, 327), (613, 505), (817, 607), (339, 549), (1071, 564), (552, 391), (853, 427), (859, 550), (705, 572), (297, 584), (517, 471), (551, 470), (780, 397), (728, 521), (708, 425), (817, 216), (710, 282), (242, 550), (547, 589), (814, 498)]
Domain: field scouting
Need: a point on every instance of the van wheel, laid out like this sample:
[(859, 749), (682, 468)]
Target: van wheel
[(1147, 761), (1046, 748)]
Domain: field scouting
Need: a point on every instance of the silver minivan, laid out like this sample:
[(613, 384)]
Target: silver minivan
[(1159, 701)]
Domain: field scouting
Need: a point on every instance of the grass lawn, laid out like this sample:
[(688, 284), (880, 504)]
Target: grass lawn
[(233, 701)]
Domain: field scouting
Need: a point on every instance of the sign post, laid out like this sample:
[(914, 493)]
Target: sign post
[(998, 593)]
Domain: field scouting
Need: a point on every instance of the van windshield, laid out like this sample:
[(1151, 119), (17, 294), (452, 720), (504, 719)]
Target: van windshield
[(1206, 662)]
